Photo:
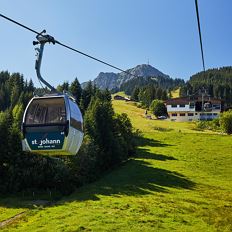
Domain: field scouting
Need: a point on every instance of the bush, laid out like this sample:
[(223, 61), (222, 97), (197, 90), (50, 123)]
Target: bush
[(226, 122), (124, 133), (83, 166), (158, 108), (208, 125)]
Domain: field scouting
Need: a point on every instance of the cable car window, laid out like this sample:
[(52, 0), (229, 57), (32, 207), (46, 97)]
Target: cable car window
[(55, 114), (46, 111), (31, 113), (40, 114), (75, 111), (76, 117)]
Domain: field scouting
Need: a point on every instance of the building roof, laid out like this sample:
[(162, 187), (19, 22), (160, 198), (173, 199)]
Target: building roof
[(187, 100), (209, 99), (119, 96), (178, 101)]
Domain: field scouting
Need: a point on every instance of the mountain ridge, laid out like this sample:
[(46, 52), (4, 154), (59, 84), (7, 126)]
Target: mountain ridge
[(111, 80)]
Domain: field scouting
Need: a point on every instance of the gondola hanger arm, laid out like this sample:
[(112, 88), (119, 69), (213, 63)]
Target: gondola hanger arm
[(42, 39)]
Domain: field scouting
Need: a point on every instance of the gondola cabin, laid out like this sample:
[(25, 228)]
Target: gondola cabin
[(52, 125)]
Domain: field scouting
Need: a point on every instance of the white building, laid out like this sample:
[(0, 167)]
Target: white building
[(187, 109)]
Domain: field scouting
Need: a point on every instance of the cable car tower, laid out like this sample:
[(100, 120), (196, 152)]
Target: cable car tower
[(52, 124)]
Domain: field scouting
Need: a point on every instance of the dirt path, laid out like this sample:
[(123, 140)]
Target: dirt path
[(11, 219)]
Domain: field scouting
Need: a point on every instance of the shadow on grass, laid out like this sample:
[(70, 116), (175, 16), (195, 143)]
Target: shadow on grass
[(134, 178), (16, 201), (141, 142), (143, 153)]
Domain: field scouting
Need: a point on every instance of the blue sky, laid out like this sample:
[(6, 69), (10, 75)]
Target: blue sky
[(122, 32)]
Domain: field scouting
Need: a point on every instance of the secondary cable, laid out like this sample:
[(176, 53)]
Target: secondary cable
[(199, 31)]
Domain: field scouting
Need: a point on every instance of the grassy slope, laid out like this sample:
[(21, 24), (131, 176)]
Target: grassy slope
[(176, 93), (179, 180)]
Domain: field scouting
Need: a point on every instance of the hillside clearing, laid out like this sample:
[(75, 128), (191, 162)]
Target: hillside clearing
[(176, 93), (179, 180)]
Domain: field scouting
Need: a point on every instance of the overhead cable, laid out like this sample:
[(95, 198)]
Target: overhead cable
[(199, 31), (68, 47)]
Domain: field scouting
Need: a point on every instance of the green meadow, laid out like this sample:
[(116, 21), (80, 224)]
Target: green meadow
[(179, 180)]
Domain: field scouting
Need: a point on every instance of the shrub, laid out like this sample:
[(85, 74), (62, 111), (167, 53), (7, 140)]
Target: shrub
[(208, 125), (158, 108), (124, 133), (226, 122), (83, 166)]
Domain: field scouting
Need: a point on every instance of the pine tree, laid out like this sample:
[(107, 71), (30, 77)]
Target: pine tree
[(86, 96), (164, 95), (159, 93), (76, 90), (63, 87), (17, 114), (135, 94), (99, 126)]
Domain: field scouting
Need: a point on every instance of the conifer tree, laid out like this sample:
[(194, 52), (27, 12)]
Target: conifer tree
[(76, 90)]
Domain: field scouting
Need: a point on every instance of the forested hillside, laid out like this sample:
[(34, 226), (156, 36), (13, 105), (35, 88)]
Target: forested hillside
[(108, 140), (145, 90), (217, 82), (165, 83)]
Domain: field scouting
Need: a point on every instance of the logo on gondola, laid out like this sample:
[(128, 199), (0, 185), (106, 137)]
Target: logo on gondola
[(45, 142), (41, 141)]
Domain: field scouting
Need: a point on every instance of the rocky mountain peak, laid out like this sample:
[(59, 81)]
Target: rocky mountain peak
[(112, 80)]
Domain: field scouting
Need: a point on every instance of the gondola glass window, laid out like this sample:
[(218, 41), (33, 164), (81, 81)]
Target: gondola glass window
[(46, 112)]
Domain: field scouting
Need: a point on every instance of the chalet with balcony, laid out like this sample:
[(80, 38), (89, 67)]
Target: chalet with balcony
[(193, 108)]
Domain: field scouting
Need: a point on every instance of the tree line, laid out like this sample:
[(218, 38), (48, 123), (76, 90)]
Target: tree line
[(164, 83), (145, 90), (109, 140), (215, 82)]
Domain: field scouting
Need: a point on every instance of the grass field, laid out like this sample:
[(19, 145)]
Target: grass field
[(180, 180)]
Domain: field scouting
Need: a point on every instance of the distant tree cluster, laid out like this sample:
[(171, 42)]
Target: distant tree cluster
[(108, 140), (146, 90), (164, 83), (217, 82), (151, 97), (147, 94), (14, 90)]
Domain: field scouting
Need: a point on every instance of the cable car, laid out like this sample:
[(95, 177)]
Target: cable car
[(52, 123)]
